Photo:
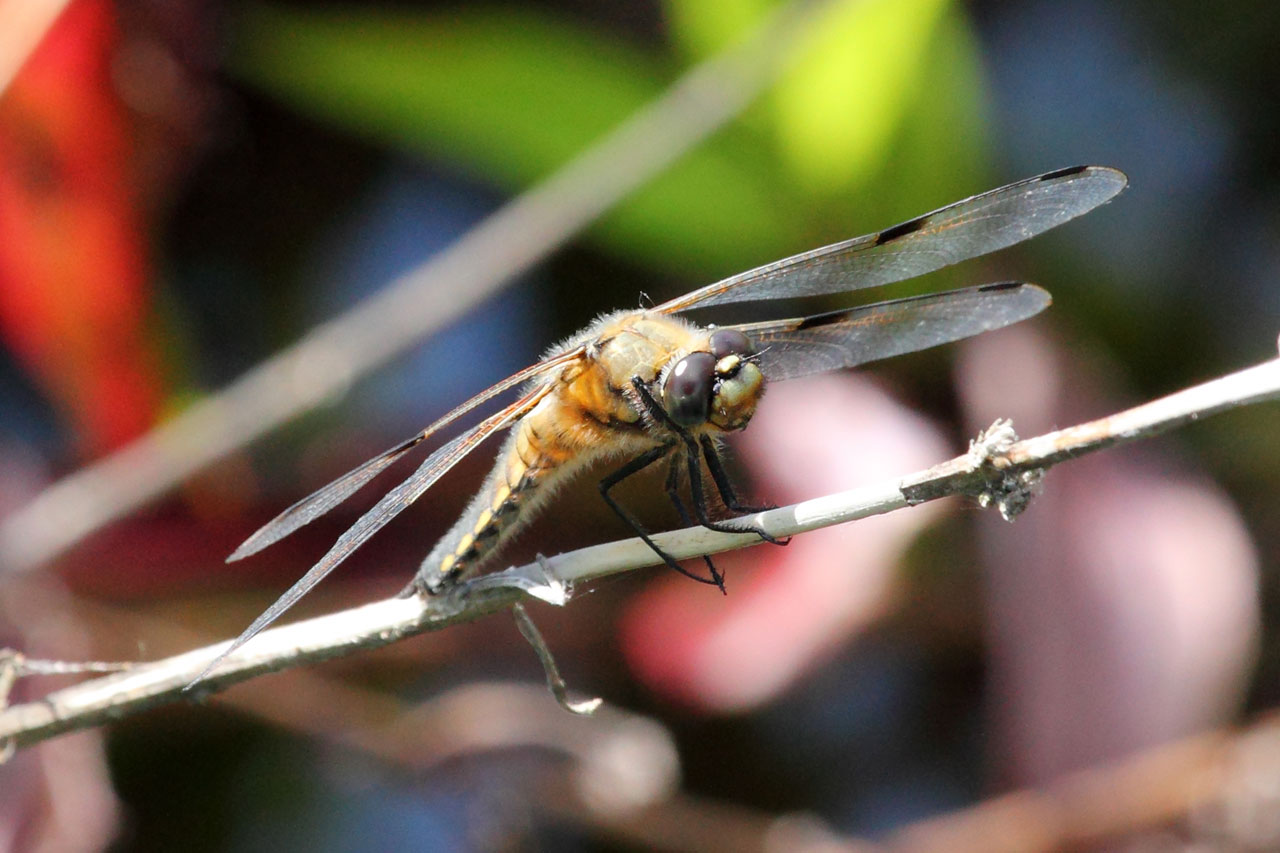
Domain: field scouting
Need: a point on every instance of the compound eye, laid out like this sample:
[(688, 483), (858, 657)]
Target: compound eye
[(730, 342), (686, 394)]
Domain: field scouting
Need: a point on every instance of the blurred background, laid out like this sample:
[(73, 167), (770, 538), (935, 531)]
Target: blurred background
[(188, 187)]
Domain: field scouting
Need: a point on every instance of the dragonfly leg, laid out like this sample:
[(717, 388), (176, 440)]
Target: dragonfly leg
[(636, 465), (656, 412), (724, 485), (700, 501), (673, 492)]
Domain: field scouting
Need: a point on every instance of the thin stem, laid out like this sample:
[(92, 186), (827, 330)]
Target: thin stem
[(990, 467), (555, 682)]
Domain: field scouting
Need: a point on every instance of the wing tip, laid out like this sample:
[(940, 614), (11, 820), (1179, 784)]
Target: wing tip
[(1032, 297), (1044, 298), (256, 542), (1116, 179), (246, 549)]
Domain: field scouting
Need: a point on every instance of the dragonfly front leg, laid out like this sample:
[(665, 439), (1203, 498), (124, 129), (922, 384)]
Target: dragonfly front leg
[(657, 413), (700, 499), (673, 492), (635, 466), (724, 486)]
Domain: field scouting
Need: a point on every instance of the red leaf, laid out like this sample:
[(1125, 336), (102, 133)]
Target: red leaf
[(74, 296)]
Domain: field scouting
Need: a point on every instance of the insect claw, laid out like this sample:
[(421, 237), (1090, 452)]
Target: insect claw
[(768, 537)]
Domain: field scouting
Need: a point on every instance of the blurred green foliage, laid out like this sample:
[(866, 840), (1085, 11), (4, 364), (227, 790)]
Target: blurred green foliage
[(509, 94)]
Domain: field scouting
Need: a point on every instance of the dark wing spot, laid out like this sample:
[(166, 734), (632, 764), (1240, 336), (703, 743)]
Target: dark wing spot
[(900, 230), (1062, 173), (1002, 285), (823, 319)]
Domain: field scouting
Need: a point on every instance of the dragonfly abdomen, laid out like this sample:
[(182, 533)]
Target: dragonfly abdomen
[(533, 456)]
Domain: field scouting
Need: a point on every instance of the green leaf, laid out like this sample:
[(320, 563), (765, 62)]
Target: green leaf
[(701, 29), (870, 71), (509, 95), (880, 119), (843, 103)]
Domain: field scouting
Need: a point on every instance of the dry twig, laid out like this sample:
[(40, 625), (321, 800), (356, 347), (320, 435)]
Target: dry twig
[(996, 469)]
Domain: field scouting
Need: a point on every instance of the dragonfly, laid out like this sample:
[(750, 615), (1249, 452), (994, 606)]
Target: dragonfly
[(648, 385)]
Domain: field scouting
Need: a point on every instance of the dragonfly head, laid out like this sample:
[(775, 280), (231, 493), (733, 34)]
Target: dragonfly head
[(720, 387)]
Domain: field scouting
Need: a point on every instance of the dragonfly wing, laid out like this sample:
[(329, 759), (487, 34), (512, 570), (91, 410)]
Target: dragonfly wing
[(806, 345), (321, 501), (966, 229), (392, 504)]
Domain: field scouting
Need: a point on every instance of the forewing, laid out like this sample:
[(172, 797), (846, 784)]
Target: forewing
[(391, 505), (321, 501), (966, 229), (799, 347)]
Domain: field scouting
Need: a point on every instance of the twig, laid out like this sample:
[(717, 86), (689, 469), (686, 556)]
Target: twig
[(9, 660), (687, 821), (326, 361), (555, 682), (987, 471), (1216, 787), (1098, 806)]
